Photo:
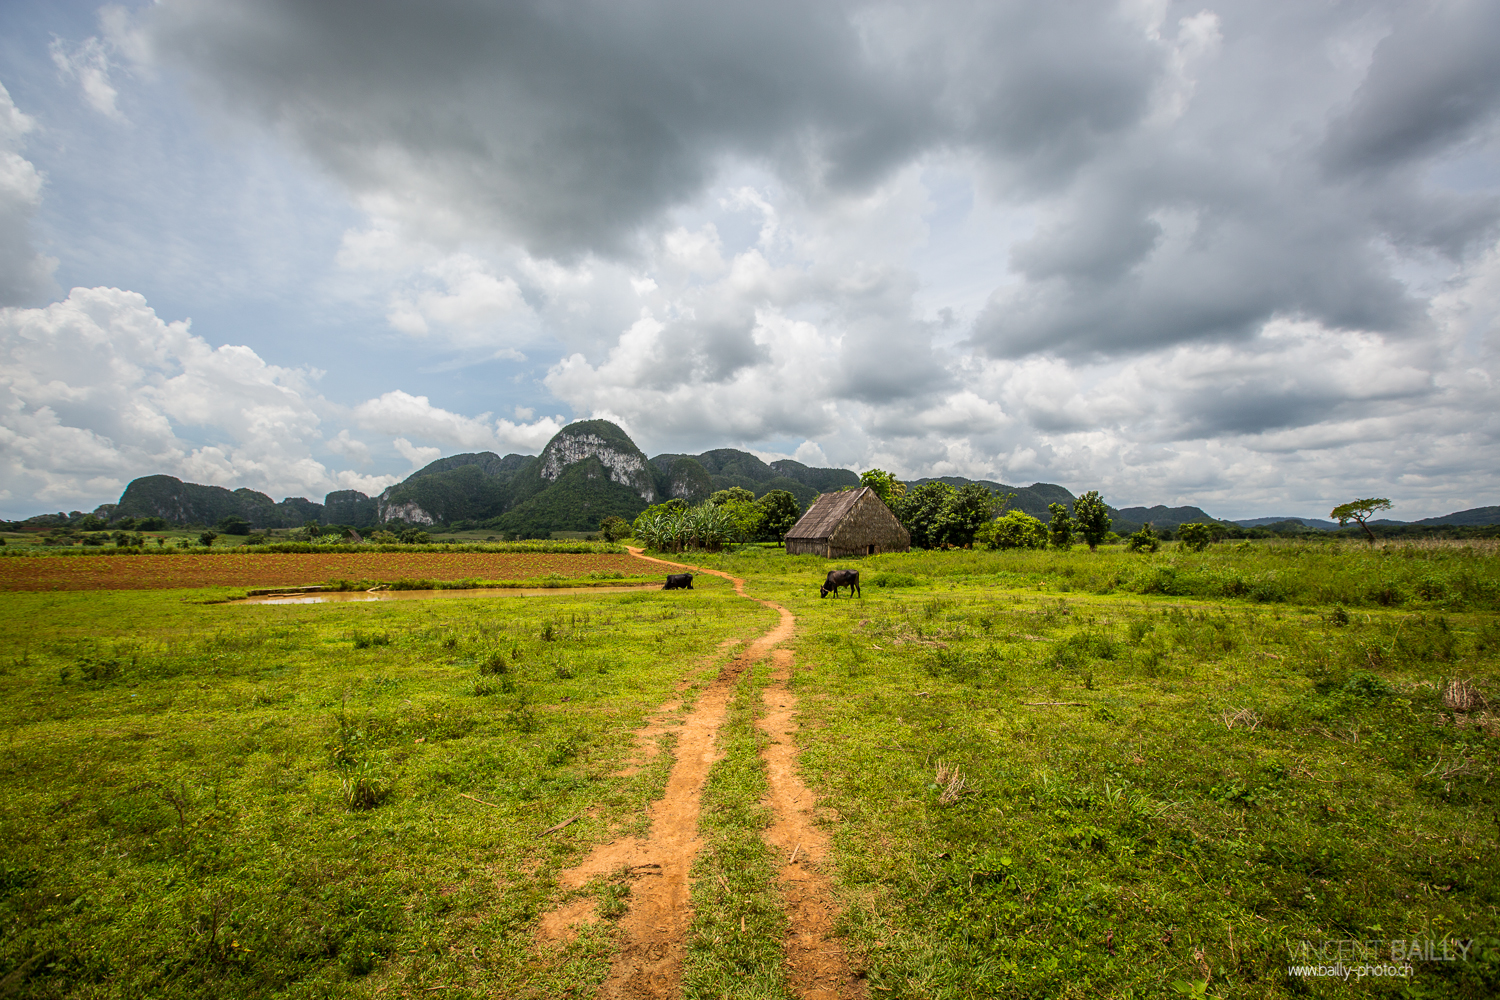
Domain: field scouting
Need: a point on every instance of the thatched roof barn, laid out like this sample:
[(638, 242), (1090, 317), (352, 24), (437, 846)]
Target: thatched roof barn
[(848, 523)]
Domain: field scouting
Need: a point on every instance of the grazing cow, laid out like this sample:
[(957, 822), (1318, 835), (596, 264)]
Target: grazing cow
[(841, 578), (679, 581)]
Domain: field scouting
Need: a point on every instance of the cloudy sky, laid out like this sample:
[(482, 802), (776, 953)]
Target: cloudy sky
[(1244, 255)]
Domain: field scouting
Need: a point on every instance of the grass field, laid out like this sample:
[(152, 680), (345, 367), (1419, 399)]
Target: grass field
[(1044, 777)]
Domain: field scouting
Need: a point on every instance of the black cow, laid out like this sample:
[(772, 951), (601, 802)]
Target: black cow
[(679, 581), (841, 578)]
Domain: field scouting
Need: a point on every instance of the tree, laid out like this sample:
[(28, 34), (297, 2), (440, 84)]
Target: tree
[(1060, 529), (207, 538), (936, 514), (918, 510), (415, 536), (1144, 540), (614, 528), (1195, 535), (1015, 530), (886, 486), (1092, 518), (735, 494), (779, 510), (965, 511), (1359, 510), (233, 524)]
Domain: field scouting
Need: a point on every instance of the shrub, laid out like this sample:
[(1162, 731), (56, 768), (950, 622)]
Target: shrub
[(1061, 527), (614, 528), (1016, 530), (1144, 540), (892, 580), (1196, 536)]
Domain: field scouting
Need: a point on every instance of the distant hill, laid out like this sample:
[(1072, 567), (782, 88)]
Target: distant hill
[(189, 503), (590, 470), (692, 477), (1474, 515), (1265, 522), (1161, 516)]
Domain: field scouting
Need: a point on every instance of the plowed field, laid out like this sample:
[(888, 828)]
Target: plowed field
[(288, 569)]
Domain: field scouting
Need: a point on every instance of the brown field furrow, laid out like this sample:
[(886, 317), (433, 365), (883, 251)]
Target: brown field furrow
[(292, 569)]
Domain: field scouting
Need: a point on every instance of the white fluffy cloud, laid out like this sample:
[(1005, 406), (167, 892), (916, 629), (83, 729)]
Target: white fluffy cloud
[(25, 275), (97, 389), (398, 412)]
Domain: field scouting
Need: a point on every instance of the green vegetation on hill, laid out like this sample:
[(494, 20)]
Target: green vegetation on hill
[(461, 493), (581, 497), (822, 480), (1032, 499), (728, 468), (685, 480), (190, 503), (486, 461)]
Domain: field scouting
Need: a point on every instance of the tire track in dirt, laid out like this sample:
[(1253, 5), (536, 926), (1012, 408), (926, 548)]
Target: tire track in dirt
[(655, 925), (818, 967), (649, 964)]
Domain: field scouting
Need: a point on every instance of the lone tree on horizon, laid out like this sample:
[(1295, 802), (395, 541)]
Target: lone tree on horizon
[(1359, 510)]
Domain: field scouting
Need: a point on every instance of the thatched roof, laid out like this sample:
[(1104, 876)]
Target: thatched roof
[(826, 513)]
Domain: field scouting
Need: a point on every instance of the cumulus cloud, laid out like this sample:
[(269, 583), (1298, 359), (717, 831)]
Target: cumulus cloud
[(97, 390), (570, 129), (25, 274), (399, 412)]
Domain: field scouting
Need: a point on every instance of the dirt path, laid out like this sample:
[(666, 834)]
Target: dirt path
[(818, 968), (655, 927)]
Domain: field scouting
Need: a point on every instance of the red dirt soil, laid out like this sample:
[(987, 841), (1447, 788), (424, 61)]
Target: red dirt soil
[(292, 569)]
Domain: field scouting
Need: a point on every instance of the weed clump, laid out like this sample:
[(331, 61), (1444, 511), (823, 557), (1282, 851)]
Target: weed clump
[(363, 640)]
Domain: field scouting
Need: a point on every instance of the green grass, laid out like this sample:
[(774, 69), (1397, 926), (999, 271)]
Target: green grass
[(206, 799), (1435, 574), (211, 800), (1236, 777)]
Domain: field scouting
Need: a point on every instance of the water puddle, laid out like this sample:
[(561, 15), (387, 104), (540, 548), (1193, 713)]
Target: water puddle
[(341, 596)]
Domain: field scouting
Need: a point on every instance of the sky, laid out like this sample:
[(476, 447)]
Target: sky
[(1241, 255)]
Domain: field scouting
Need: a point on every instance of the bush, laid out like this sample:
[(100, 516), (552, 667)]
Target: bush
[(1196, 536), (1016, 530), (614, 528), (1144, 540)]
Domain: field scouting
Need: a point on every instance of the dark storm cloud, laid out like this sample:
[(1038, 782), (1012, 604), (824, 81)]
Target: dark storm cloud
[(1434, 81), (1194, 177), (571, 127), (1273, 195)]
